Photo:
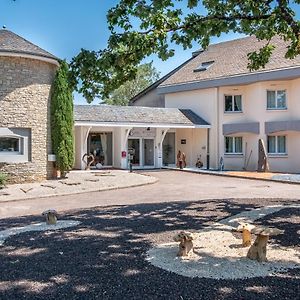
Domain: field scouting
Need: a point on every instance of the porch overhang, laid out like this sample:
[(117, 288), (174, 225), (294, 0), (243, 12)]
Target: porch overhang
[(250, 127), (137, 125), (278, 126)]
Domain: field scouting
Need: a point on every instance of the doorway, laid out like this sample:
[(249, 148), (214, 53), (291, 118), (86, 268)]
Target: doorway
[(143, 156), (169, 149)]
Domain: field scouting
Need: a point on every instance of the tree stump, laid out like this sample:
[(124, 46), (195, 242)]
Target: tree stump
[(258, 251), (51, 216), (245, 228), (263, 164), (186, 245)]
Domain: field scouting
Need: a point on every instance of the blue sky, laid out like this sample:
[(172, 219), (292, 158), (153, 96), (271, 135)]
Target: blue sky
[(63, 27)]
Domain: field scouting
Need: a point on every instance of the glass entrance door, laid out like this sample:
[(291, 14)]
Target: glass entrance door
[(148, 152), (144, 152), (135, 144), (169, 149)]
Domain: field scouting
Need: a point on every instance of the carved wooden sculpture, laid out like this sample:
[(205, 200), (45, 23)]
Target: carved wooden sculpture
[(263, 165), (88, 160), (51, 216), (258, 251), (186, 245), (181, 160), (245, 228)]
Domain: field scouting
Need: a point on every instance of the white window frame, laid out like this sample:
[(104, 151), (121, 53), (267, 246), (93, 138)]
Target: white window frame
[(276, 99), (276, 145), (232, 102), (233, 145)]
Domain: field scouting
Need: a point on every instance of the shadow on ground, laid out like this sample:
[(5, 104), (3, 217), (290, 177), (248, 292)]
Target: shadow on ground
[(104, 257)]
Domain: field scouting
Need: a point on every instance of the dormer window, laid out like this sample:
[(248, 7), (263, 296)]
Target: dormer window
[(204, 66)]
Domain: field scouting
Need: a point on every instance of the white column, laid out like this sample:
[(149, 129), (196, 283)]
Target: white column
[(84, 137), (160, 136), (124, 137)]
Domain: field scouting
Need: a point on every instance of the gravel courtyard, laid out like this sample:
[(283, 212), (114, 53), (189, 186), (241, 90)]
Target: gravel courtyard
[(104, 257)]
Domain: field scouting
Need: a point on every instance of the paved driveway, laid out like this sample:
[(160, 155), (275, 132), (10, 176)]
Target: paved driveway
[(172, 186)]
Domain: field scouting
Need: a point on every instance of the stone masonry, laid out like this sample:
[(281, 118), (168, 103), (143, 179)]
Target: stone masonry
[(25, 103)]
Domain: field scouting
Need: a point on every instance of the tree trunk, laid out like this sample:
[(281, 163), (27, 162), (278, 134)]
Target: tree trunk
[(246, 238), (258, 251), (51, 219)]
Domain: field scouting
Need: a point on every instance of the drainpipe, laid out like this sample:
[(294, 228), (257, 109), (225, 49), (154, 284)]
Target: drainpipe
[(207, 150)]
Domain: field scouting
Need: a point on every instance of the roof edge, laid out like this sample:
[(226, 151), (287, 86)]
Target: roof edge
[(49, 59), (277, 74)]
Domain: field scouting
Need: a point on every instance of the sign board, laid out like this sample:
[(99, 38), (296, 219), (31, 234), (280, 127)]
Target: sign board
[(123, 154), (183, 142)]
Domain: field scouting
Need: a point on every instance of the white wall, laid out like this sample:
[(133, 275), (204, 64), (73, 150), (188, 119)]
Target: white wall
[(254, 103), (209, 104), (204, 103)]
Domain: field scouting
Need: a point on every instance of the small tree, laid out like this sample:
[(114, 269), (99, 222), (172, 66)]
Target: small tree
[(145, 76), (62, 120)]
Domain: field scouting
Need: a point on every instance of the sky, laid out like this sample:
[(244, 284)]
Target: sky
[(63, 27)]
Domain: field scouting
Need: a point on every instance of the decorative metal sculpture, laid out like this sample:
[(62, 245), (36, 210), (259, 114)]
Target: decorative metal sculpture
[(88, 159), (181, 160)]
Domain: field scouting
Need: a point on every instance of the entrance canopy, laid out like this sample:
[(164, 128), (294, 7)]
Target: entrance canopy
[(137, 116)]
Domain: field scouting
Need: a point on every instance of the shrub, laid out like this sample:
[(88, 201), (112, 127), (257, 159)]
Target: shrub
[(3, 179)]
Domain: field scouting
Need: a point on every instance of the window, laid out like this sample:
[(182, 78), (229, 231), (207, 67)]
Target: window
[(15, 145), (233, 145), (9, 145), (233, 103), (277, 144), (204, 66), (276, 99)]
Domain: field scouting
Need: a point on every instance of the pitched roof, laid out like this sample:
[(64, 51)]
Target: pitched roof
[(136, 115), (13, 43), (230, 59)]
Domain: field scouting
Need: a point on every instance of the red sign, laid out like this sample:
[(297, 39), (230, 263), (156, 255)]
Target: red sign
[(123, 154)]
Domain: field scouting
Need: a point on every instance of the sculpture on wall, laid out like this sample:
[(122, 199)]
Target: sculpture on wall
[(181, 160), (263, 164)]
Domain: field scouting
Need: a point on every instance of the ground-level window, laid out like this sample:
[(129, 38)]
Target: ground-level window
[(233, 103), (233, 145), (10, 145), (100, 146), (15, 145), (276, 99), (277, 144)]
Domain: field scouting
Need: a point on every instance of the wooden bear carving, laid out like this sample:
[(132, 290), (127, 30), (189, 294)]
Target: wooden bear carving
[(185, 239)]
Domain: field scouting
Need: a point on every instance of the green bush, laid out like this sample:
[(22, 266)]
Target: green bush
[(3, 179)]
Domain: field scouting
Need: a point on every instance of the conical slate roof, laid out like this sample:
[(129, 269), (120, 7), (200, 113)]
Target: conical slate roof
[(13, 43)]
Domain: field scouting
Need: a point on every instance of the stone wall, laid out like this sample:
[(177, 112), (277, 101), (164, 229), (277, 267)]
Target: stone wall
[(25, 103)]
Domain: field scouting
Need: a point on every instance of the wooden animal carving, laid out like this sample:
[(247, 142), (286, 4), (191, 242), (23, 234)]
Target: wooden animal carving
[(88, 160), (51, 216), (258, 251), (245, 228), (185, 239)]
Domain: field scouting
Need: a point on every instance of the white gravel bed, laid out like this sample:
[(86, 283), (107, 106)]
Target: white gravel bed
[(4, 234), (219, 255), (287, 177), (76, 182)]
